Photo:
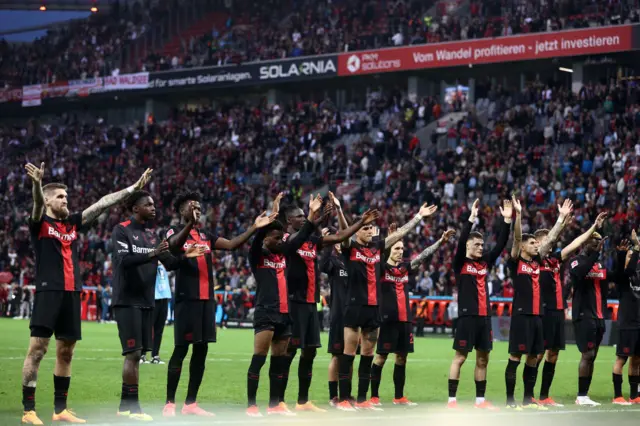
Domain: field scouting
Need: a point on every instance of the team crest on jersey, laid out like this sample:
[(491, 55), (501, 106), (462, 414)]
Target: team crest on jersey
[(574, 264), (170, 232)]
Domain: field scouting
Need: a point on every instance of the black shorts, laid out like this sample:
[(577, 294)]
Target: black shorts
[(525, 335), (589, 333), (628, 342), (553, 330), (194, 322), (365, 316), (56, 312), (305, 331), (277, 322), (135, 328), (473, 332), (395, 337)]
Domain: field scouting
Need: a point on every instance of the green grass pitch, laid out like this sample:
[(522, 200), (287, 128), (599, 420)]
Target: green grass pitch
[(96, 381)]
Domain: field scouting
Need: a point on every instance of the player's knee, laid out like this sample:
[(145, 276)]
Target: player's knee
[(134, 356), (401, 359), (65, 355), (309, 353), (459, 358), (482, 362), (589, 356), (380, 359), (37, 353)]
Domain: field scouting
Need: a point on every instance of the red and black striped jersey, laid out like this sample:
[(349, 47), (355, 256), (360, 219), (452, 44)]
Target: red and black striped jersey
[(590, 287), (194, 277), (471, 274), (394, 305), (527, 295), (269, 269), (363, 267), (551, 282), (55, 243), (302, 271)]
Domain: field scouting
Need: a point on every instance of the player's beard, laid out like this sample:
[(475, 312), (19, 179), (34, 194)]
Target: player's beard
[(62, 213)]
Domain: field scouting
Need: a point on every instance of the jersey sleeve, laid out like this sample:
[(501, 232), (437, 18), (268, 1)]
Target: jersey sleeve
[(580, 267), (512, 264), (34, 226), (213, 237), (76, 220)]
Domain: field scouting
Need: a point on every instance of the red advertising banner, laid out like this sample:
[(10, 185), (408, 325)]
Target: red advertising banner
[(485, 51)]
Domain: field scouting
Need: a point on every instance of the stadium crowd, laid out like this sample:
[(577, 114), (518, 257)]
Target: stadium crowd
[(543, 143), (257, 31)]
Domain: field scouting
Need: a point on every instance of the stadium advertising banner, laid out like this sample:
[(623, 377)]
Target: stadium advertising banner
[(485, 51), (285, 70)]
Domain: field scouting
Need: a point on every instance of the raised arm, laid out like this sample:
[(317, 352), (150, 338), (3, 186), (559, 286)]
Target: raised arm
[(564, 211), (342, 221), (578, 242), (517, 229), (369, 217), (93, 211), (630, 268), (232, 244), (36, 190), (428, 252), (503, 236), (177, 240), (461, 250), (425, 211), (256, 248), (581, 266)]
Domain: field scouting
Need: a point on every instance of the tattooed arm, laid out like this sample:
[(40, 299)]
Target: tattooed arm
[(38, 196), (551, 239), (425, 211), (92, 212), (428, 252)]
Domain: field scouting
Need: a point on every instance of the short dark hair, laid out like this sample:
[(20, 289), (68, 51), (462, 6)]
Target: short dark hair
[(274, 226), (290, 209), (183, 198), (540, 233), (475, 234), (55, 185), (527, 237), (133, 199)]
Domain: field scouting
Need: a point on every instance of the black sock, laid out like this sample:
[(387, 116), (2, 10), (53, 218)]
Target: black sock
[(510, 375), (253, 377), (29, 398), (364, 377), (481, 388), (196, 371), (617, 385), (61, 389), (174, 371), (633, 387), (124, 399), (276, 366), (344, 376), (376, 376), (583, 385), (285, 375), (134, 403), (453, 387), (548, 371), (333, 390), (399, 377), (529, 379), (305, 373)]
